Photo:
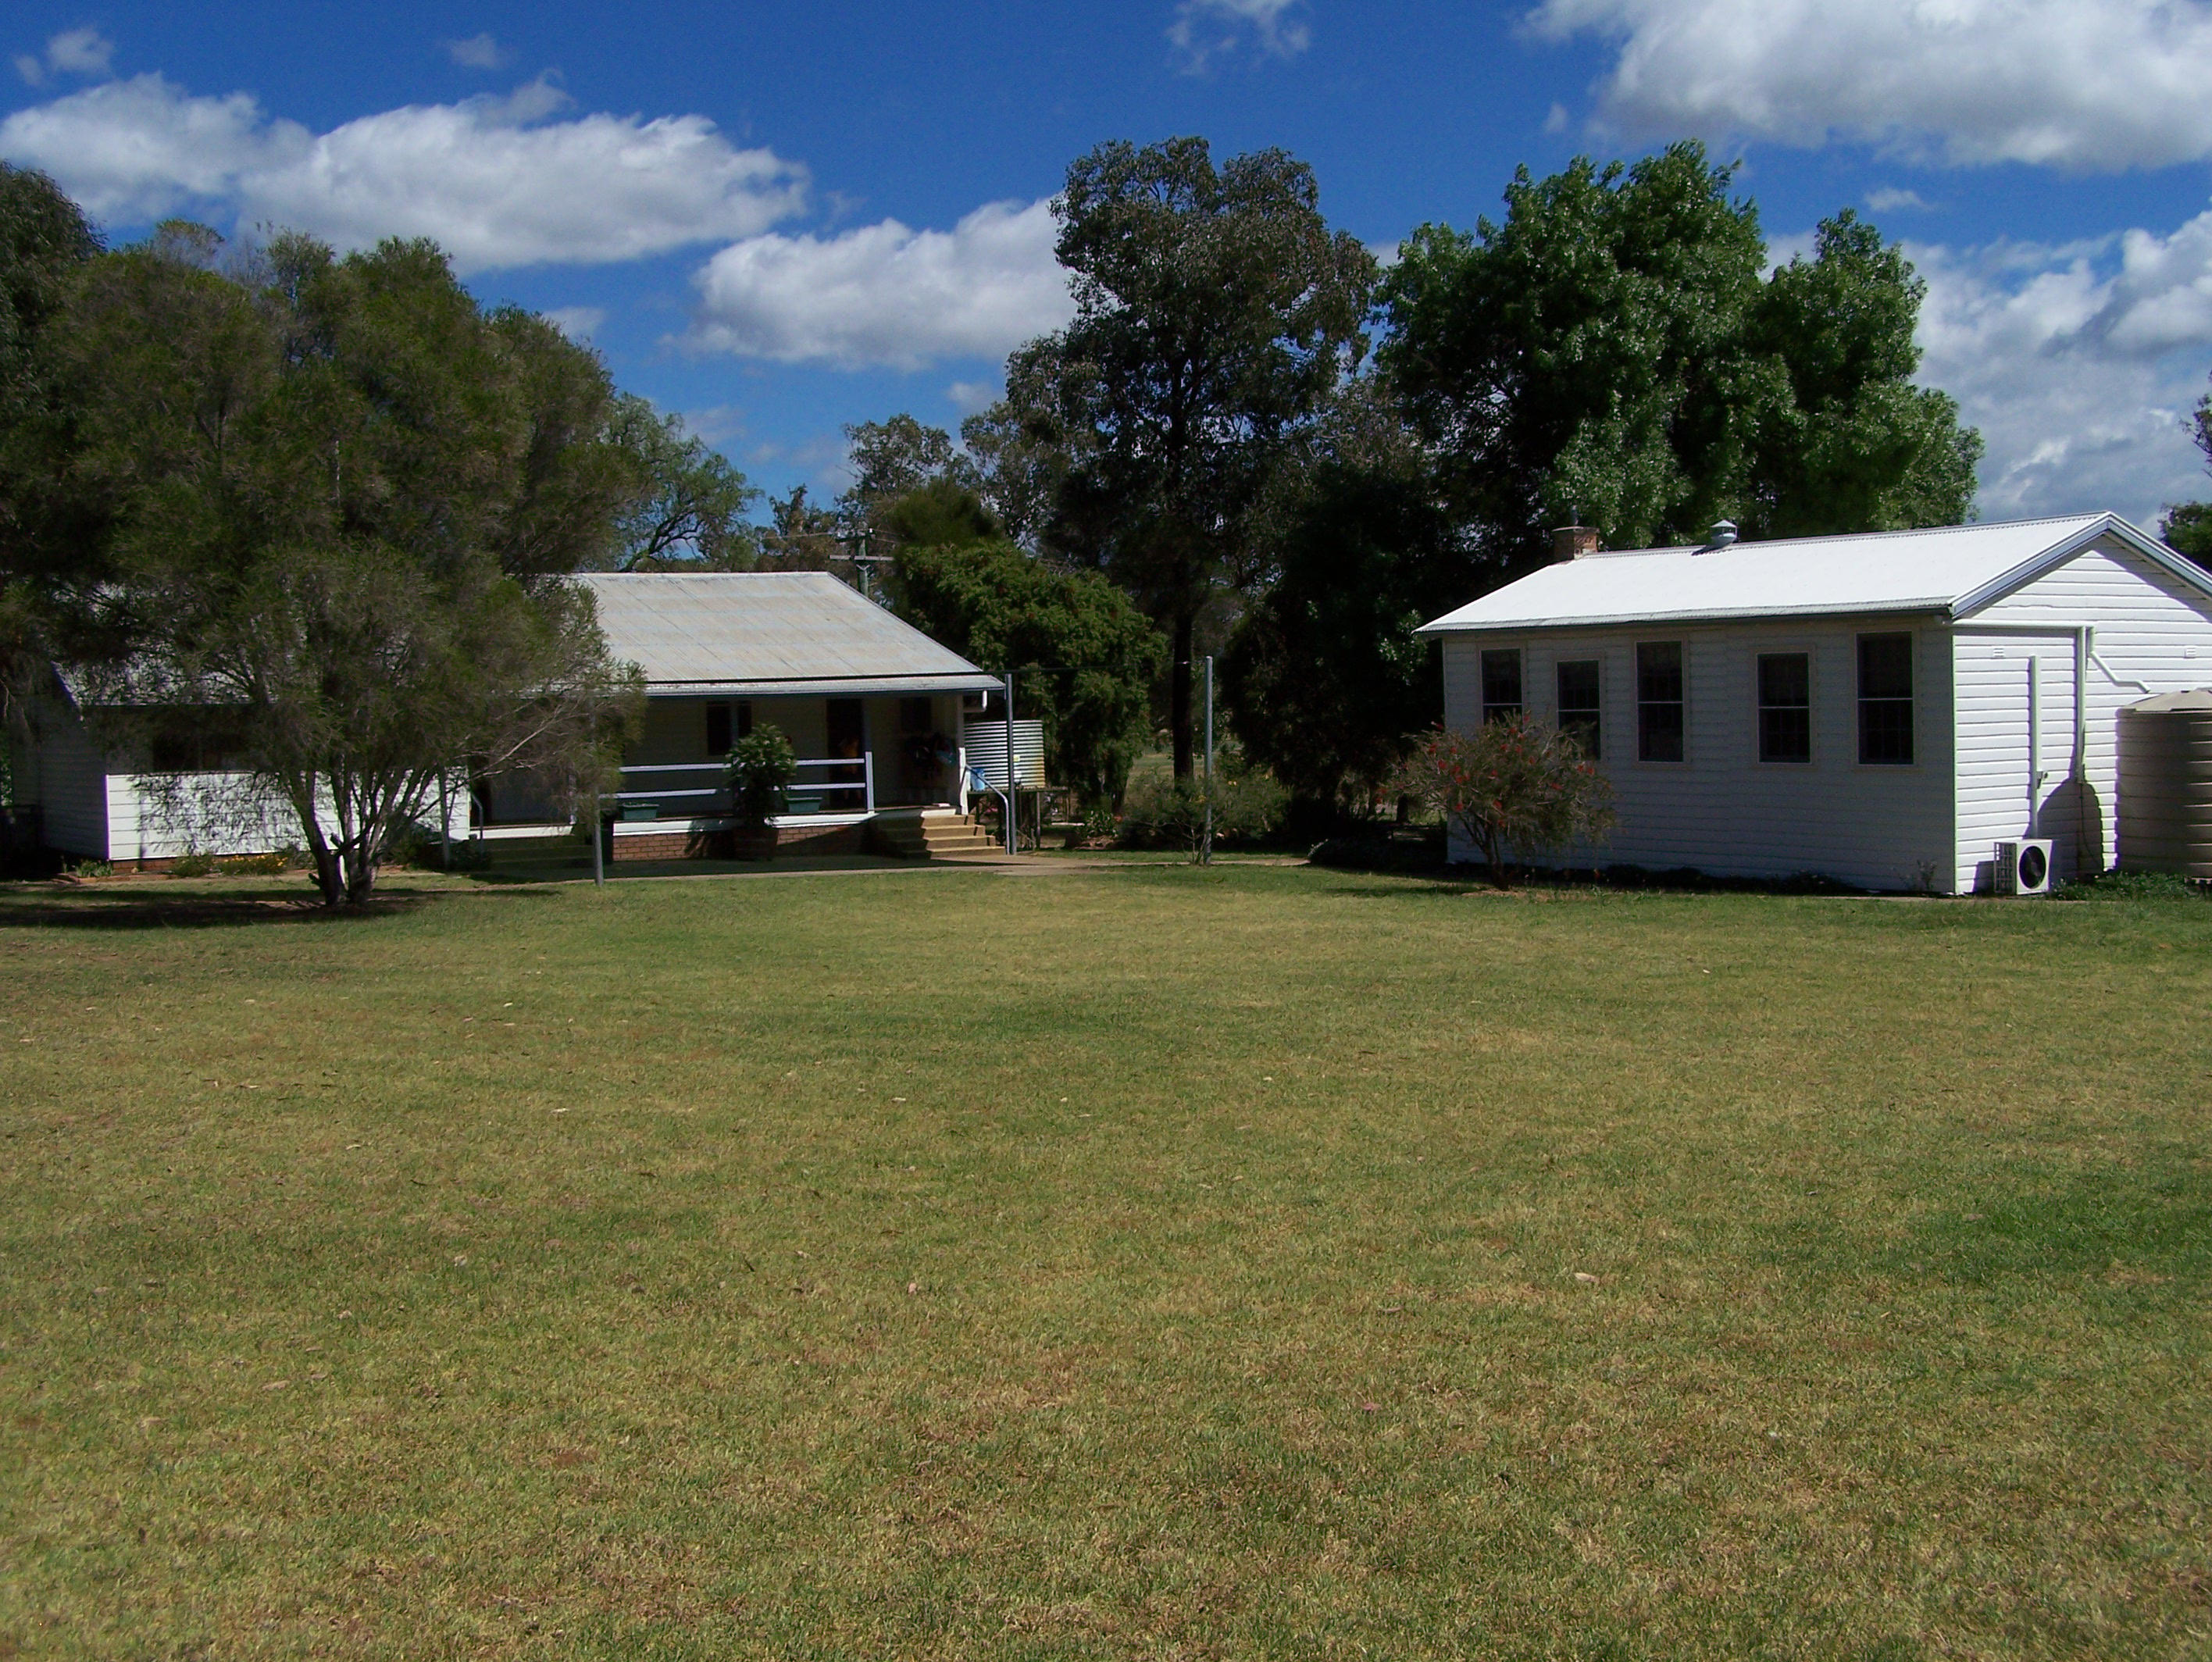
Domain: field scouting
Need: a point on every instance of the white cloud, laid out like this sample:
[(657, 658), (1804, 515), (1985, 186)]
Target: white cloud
[(2079, 363), (973, 398), (886, 294), (2086, 84), (73, 52), (1206, 29), (1890, 199), (494, 182), (578, 323), (478, 52)]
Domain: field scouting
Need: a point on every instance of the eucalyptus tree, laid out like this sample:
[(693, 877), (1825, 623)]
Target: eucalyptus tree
[(1215, 313)]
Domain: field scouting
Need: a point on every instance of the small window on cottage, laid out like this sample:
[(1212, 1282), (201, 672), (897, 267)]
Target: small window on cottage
[(1659, 700), (718, 729), (744, 721), (1886, 699), (1501, 683), (1579, 681), (1785, 706)]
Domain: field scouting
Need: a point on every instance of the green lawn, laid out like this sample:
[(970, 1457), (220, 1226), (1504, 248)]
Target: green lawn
[(1265, 1262)]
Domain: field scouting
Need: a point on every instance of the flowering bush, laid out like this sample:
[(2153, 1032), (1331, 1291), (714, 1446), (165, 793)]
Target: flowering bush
[(1509, 786)]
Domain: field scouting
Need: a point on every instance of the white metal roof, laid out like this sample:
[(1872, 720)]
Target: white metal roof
[(761, 633), (1953, 570)]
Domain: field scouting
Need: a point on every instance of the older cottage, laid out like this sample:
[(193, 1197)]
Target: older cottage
[(875, 708), (1881, 709)]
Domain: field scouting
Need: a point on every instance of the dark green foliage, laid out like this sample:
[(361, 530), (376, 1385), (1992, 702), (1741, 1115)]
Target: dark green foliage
[(1324, 675), (892, 459), (1610, 349), (939, 514), (344, 500), (48, 528), (763, 766), (1239, 806), (2187, 527), (1083, 656), (1215, 311)]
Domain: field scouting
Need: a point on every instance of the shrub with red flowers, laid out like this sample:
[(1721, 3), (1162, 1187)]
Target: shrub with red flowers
[(1511, 786)]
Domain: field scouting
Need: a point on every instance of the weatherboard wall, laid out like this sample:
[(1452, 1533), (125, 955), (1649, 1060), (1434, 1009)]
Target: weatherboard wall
[(68, 781), (1721, 810), (2152, 633)]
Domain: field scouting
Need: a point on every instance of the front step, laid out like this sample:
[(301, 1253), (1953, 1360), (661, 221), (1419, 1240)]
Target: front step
[(931, 836)]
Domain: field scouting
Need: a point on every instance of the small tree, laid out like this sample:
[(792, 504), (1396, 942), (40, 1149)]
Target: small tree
[(1511, 786), (763, 766)]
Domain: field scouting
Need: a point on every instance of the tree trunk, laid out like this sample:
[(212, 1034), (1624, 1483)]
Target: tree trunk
[(1179, 721)]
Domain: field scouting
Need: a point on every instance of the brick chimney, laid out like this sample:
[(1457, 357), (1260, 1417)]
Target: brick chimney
[(1573, 541)]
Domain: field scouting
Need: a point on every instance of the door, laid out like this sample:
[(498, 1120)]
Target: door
[(849, 736)]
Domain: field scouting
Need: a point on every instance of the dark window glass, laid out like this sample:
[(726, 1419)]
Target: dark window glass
[(1886, 697), (744, 721), (1659, 700), (718, 729), (1579, 713), (1501, 684), (1785, 706)]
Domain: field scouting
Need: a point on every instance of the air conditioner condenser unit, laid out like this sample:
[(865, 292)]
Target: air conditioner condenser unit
[(2024, 867)]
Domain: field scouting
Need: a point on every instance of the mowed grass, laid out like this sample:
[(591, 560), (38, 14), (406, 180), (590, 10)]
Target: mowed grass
[(1145, 1262)]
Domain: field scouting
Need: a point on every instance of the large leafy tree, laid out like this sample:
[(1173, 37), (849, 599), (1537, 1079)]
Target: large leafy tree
[(1215, 313), (1611, 349), (345, 501)]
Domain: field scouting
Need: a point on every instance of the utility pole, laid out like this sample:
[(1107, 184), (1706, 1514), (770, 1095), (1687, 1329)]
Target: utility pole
[(1206, 847), (1012, 810)]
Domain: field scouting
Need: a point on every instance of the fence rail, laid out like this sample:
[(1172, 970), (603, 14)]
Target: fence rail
[(865, 785)]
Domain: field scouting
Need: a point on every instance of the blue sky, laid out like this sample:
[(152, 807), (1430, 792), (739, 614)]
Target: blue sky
[(780, 219)]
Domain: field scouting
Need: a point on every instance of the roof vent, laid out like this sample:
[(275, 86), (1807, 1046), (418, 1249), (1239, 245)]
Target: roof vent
[(1723, 534), (1573, 541)]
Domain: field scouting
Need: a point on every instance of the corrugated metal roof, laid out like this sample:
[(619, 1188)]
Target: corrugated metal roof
[(764, 632), (1954, 569)]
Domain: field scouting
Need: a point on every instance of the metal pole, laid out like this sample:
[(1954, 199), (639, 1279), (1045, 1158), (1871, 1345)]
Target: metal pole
[(1012, 846), (1205, 848), (2035, 776)]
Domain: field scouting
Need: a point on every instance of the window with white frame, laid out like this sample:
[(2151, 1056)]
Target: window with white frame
[(1660, 704), (1580, 681), (1501, 683), (1785, 706)]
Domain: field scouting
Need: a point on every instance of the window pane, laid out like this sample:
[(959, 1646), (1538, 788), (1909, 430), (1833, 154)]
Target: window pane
[(1501, 683), (1659, 700), (1785, 678), (1785, 698), (1785, 734), (1884, 666), (1659, 732), (718, 729), (1659, 671), (1578, 703), (1886, 697)]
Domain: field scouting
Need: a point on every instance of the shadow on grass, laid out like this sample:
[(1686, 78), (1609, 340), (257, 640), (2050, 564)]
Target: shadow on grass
[(133, 908)]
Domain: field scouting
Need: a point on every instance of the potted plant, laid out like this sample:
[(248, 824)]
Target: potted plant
[(761, 766)]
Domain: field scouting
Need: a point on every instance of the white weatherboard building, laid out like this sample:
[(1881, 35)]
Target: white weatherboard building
[(1881, 709)]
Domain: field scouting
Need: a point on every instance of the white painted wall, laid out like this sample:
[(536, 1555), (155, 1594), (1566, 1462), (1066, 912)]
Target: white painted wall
[(1721, 810), (2152, 633), (159, 816)]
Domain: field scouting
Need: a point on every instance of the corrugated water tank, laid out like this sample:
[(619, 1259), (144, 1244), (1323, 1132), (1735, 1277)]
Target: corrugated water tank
[(2165, 785)]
